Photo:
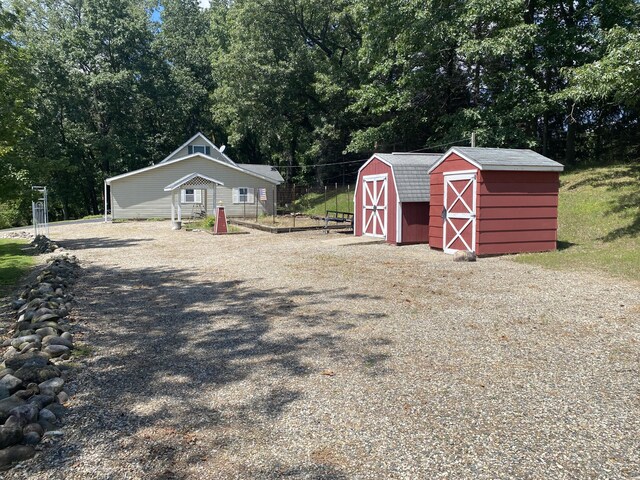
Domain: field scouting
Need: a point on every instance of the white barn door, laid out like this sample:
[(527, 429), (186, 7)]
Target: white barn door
[(459, 213), (374, 206)]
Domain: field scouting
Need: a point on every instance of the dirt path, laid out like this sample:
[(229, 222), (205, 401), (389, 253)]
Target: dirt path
[(211, 357)]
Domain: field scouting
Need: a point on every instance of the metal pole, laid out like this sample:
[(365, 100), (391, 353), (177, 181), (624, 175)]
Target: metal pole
[(349, 198), (256, 199), (293, 205), (274, 205), (473, 139), (325, 200), (336, 197), (244, 206)]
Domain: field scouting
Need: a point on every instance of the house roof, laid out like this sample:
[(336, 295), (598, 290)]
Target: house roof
[(410, 173), (221, 156), (504, 159), (182, 159), (188, 178), (264, 170)]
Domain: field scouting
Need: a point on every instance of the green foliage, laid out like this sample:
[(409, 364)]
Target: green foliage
[(15, 262), (599, 222), (96, 88)]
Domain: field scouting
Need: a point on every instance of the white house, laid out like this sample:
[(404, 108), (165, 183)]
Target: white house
[(195, 177)]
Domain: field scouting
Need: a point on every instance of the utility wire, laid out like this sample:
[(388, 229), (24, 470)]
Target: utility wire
[(441, 145), (317, 165)]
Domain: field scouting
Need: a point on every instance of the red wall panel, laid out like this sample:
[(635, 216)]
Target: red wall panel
[(415, 222)]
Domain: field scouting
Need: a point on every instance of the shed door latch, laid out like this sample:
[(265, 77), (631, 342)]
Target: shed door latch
[(444, 213)]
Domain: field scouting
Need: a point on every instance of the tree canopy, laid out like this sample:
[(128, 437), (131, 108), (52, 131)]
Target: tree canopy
[(94, 88)]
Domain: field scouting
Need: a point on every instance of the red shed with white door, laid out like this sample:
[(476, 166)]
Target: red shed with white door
[(391, 198), (494, 201)]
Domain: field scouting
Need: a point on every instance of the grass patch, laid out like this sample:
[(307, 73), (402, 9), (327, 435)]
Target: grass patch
[(15, 262), (314, 203), (82, 350), (92, 217), (598, 224)]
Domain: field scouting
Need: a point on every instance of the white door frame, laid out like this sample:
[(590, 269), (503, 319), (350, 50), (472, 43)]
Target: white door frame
[(469, 215), (375, 196)]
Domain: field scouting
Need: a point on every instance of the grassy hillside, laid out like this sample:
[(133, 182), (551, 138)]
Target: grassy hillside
[(14, 263), (599, 222), (314, 203)]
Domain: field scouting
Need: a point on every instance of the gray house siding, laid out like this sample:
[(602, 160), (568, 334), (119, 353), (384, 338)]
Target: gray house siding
[(142, 196)]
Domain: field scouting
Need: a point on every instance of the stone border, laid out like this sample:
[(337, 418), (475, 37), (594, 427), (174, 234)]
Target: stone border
[(33, 370)]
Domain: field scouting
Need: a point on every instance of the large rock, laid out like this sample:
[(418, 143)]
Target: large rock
[(44, 318), (16, 342), (10, 382), (17, 453), (52, 386), (4, 393), (26, 414), (56, 350), (10, 435), (5, 371), (59, 341), (37, 374), (31, 438), (29, 359), (47, 418), (42, 400), (7, 405), (464, 256), (44, 331)]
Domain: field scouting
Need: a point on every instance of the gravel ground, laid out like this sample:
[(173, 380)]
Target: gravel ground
[(290, 356)]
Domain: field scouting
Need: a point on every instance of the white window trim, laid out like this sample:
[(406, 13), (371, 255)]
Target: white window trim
[(204, 149), (197, 195), (249, 196)]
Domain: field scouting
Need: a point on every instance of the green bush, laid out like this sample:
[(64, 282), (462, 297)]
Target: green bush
[(209, 222)]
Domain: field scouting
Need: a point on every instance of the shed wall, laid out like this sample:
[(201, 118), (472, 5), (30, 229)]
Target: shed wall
[(376, 167), (516, 211), (415, 222), (142, 195)]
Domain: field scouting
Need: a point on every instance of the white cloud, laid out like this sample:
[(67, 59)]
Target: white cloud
[(204, 3)]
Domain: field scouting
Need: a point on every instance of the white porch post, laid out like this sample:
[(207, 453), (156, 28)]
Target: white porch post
[(179, 210), (105, 201), (215, 198), (173, 207)]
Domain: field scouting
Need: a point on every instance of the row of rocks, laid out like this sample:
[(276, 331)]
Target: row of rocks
[(42, 244), (33, 368), (18, 234)]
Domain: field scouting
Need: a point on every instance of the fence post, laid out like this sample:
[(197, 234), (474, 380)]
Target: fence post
[(275, 205), (293, 204), (325, 200), (336, 197)]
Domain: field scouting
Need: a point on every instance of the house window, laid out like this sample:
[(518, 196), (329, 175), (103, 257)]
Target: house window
[(205, 149), (191, 195), (243, 195)]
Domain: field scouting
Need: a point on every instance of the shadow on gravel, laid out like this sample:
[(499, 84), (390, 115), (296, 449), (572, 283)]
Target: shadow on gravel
[(99, 242), (165, 346)]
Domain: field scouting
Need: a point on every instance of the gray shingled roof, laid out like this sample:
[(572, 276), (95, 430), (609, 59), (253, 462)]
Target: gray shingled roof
[(509, 159), (411, 173), (265, 170)]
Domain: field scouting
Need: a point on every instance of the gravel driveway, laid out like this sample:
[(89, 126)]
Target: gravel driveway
[(290, 356)]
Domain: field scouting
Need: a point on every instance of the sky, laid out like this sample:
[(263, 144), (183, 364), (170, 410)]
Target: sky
[(155, 14)]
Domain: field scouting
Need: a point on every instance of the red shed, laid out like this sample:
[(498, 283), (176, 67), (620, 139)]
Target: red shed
[(494, 201), (391, 198)]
